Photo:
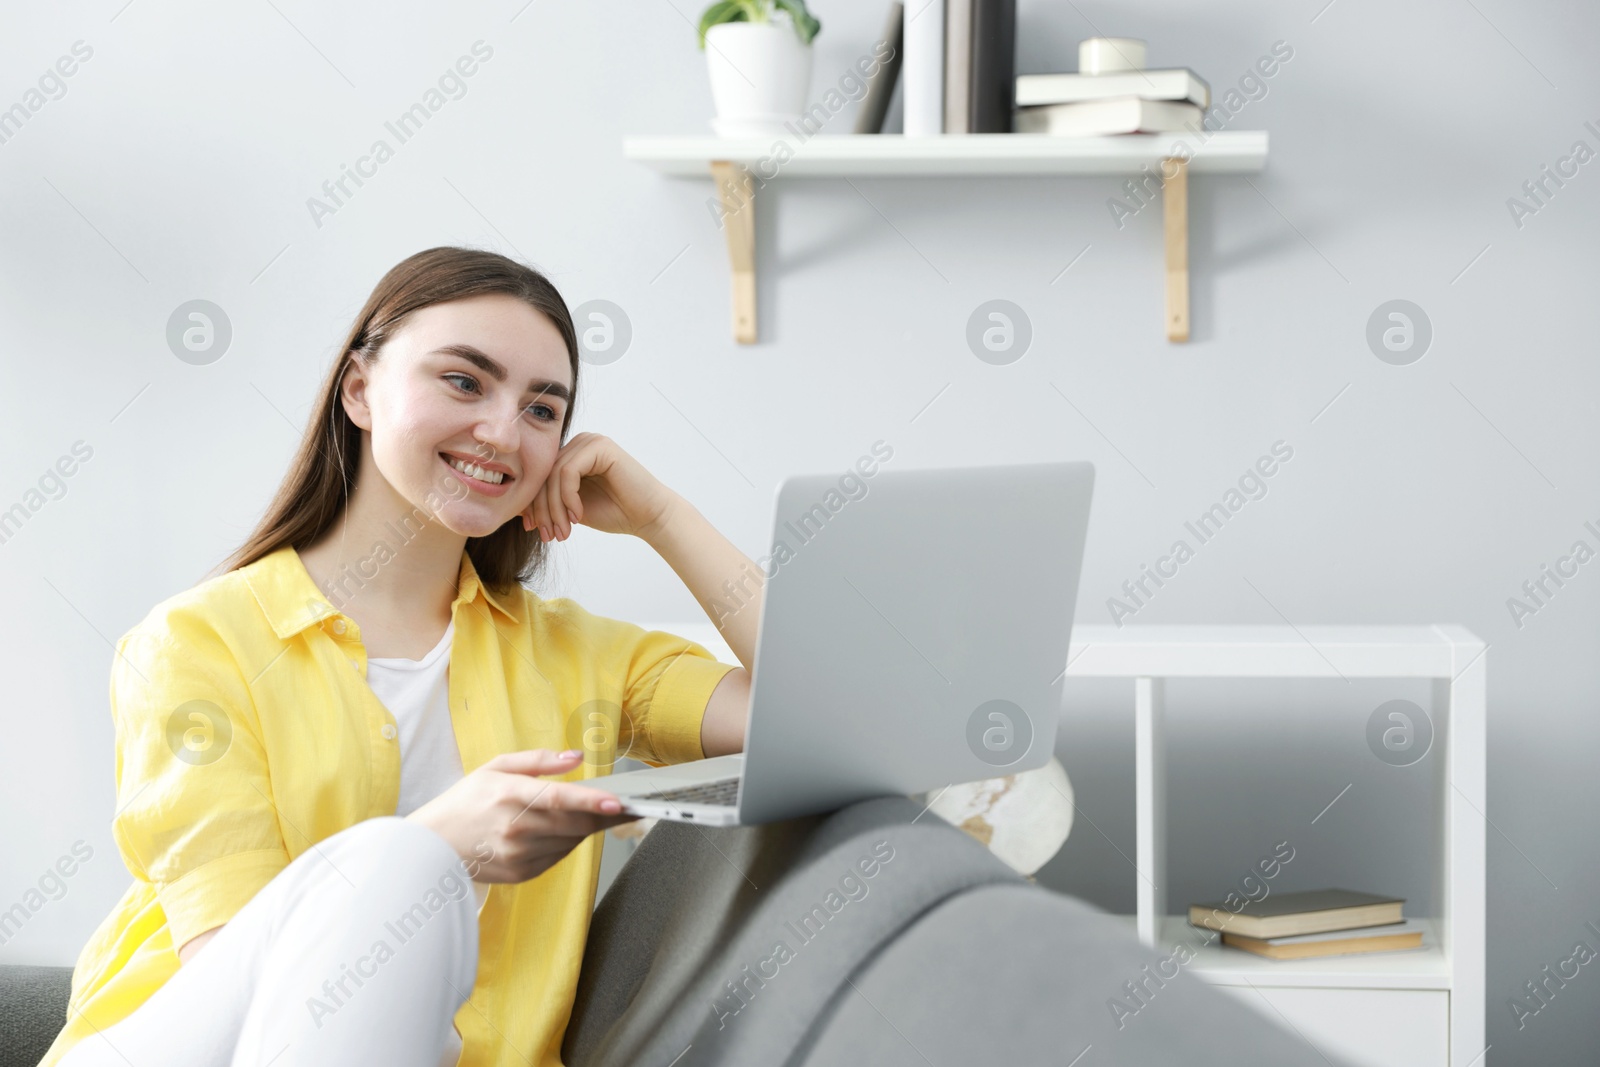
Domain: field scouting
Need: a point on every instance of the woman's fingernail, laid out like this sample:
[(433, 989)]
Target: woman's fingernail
[(610, 806), (569, 753)]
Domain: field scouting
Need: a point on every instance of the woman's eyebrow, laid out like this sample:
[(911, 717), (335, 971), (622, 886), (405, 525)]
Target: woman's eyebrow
[(485, 363)]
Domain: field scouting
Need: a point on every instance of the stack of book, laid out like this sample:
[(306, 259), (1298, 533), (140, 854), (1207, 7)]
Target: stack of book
[(1322, 922), (1102, 102)]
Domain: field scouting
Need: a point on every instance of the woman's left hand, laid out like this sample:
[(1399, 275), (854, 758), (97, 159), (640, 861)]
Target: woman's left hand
[(595, 483)]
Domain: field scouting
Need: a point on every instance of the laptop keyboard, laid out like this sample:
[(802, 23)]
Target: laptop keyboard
[(723, 793)]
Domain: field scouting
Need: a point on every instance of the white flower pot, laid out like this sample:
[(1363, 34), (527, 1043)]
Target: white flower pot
[(760, 74)]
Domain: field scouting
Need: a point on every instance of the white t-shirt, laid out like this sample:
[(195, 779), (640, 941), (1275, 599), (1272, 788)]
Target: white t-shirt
[(417, 694)]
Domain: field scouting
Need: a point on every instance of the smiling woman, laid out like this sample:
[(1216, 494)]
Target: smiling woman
[(440, 295), (372, 651)]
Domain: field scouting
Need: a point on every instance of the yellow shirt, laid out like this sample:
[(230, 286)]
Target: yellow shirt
[(246, 732)]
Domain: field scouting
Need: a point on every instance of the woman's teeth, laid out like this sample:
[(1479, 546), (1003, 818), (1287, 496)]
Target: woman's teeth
[(475, 471)]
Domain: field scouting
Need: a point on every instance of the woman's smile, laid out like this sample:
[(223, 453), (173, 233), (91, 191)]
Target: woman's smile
[(476, 477)]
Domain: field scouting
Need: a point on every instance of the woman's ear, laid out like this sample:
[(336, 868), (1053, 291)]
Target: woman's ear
[(353, 393)]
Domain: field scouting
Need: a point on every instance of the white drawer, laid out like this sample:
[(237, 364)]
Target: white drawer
[(1367, 1027)]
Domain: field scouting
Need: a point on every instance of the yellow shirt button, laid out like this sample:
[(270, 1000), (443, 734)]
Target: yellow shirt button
[(338, 626), (355, 663), (389, 730)]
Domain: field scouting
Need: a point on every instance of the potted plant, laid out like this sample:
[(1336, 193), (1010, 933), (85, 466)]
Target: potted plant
[(759, 56)]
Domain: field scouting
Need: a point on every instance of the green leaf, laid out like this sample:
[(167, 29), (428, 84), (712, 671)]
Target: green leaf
[(805, 24), (719, 13)]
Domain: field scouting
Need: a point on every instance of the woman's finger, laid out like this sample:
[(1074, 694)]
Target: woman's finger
[(550, 498), (554, 796), (566, 488), (571, 500), (541, 513), (533, 761)]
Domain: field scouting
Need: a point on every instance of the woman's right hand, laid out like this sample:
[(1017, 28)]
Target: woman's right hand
[(509, 825)]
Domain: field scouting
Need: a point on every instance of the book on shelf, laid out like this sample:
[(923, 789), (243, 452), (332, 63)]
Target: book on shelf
[(880, 87), (1289, 914), (922, 73), (957, 65), (991, 83), (1389, 937), (1181, 85), (1119, 114)]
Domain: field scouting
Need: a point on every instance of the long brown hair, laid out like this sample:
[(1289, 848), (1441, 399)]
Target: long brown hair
[(317, 487)]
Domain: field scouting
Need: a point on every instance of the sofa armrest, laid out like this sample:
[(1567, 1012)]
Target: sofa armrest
[(33, 1009)]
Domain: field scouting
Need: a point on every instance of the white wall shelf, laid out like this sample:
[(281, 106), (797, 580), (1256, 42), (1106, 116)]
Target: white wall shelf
[(735, 164), (1418, 1008)]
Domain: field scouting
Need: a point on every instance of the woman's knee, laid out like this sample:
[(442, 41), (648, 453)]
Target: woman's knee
[(412, 874), (407, 853), (392, 835)]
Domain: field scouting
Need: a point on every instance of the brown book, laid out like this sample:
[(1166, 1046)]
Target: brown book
[(1388, 938), (1288, 914)]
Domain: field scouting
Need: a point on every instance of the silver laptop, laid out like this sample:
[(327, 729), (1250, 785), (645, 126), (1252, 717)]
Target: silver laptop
[(913, 634)]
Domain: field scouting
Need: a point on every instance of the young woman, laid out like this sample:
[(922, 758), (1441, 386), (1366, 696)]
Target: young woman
[(292, 734)]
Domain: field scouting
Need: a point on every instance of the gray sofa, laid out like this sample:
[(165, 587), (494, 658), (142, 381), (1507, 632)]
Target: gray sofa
[(874, 934)]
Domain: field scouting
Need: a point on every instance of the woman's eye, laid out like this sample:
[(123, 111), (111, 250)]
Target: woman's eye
[(452, 378), (551, 417)]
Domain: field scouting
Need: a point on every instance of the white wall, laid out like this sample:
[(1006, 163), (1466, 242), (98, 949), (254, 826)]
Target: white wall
[(178, 165)]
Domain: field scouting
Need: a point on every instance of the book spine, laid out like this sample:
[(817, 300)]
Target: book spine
[(958, 40), (994, 62), (880, 88), (923, 77)]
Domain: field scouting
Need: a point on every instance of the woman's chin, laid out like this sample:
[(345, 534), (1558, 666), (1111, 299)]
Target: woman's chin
[(473, 525)]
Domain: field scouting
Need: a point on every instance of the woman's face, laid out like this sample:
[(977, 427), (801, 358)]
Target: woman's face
[(480, 381)]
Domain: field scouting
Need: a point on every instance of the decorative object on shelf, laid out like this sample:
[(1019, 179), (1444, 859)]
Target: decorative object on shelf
[(1110, 55), (759, 62), (633, 831), (1023, 818)]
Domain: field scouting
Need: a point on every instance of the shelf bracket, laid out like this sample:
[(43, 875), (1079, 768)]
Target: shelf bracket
[(737, 192), (1175, 202)]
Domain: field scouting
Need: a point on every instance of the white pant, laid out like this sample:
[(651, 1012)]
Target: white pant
[(360, 951)]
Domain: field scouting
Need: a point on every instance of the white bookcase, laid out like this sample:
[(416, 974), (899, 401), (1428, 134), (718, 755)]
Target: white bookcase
[(1420, 1008)]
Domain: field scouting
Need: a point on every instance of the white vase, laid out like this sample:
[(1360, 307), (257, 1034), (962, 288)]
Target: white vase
[(760, 74)]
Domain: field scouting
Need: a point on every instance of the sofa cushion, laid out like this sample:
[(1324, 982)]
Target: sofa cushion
[(1019, 974), (732, 940), (33, 1009)]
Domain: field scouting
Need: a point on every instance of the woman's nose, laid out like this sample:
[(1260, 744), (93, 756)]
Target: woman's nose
[(500, 433)]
